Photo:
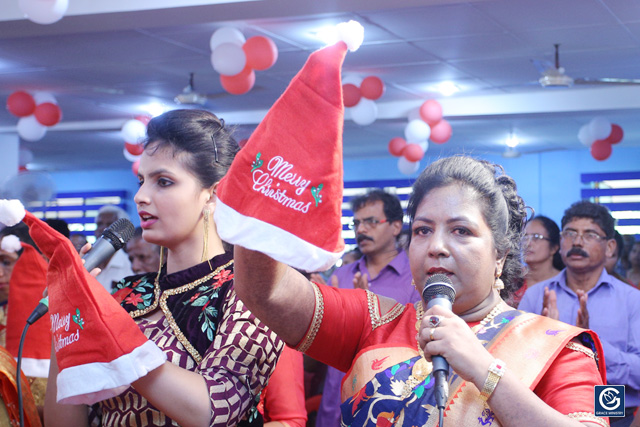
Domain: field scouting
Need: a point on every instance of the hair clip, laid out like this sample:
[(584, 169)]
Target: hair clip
[(215, 148)]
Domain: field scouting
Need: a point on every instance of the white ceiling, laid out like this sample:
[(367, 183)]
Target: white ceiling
[(105, 60)]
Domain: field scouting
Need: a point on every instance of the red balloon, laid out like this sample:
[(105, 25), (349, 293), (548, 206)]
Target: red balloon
[(397, 146), (134, 167), (261, 52), (134, 149), (144, 119), (48, 114), (351, 95), (440, 132), (616, 134), (240, 83), (431, 112), (372, 87), (413, 152), (601, 149), (21, 104)]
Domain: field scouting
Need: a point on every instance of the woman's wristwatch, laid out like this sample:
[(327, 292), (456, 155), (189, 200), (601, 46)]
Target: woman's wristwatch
[(496, 371)]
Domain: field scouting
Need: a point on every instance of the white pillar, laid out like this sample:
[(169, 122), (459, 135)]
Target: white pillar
[(9, 147)]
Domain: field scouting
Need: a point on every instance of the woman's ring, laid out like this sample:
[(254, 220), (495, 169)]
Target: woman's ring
[(434, 321), (431, 337)]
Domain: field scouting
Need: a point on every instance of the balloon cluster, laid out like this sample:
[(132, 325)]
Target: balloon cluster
[(236, 58), (428, 125), (599, 134), (37, 112), (44, 11), (360, 99), (134, 132)]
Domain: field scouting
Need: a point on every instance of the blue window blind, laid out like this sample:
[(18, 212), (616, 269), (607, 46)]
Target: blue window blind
[(399, 187), (79, 209), (618, 191)]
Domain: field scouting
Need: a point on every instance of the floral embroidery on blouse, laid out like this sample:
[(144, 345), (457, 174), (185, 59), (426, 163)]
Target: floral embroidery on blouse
[(137, 295), (208, 316)]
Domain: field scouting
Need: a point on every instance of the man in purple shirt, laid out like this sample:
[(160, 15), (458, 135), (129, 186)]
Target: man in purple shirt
[(585, 295), (383, 269)]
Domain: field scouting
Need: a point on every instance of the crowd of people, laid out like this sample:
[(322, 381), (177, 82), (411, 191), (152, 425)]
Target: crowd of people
[(542, 313)]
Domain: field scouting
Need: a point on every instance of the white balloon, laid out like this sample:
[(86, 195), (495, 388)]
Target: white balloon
[(133, 131), (416, 131), (44, 11), (424, 145), (585, 136), (42, 97), (226, 35), (228, 59), (600, 128), (29, 129), (364, 112), (129, 156), (406, 167), (24, 157)]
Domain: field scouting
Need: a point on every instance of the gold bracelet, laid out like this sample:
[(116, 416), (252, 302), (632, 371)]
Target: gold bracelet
[(496, 371)]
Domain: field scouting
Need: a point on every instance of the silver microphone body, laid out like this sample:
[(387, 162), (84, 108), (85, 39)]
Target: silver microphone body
[(439, 291)]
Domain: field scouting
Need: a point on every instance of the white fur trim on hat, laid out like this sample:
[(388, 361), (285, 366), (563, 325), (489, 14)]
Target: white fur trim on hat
[(257, 235), (107, 380), (10, 243), (11, 212), (38, 368), (352, 33)]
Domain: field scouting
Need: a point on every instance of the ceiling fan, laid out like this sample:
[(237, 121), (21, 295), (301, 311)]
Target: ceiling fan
[(190, 96), (553, 75)]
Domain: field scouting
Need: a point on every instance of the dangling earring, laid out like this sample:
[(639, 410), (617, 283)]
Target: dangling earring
[(498, 284), (161, 263), (413, 283), (205, 246)]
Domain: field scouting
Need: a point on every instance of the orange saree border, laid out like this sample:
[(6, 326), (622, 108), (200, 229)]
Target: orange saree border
[(9, 392)]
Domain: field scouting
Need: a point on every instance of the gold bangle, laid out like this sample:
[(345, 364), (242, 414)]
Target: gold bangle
[(496, 371)]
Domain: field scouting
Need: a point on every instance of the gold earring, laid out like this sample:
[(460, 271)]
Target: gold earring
[(413, 283), (205, 246), (498, 284)]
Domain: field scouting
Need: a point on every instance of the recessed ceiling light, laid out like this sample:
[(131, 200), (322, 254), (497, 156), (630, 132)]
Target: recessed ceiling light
[(154, 109), (328, 34), (447, 88), (512, 140)]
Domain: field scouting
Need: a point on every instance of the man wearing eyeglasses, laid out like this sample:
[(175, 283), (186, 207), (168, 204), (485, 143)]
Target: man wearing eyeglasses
[(585, 295), (383, 268)]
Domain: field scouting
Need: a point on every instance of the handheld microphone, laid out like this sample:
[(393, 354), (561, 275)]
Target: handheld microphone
[(113, 239), (439, 291)]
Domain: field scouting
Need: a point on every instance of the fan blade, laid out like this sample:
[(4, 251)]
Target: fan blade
[(606, 81)]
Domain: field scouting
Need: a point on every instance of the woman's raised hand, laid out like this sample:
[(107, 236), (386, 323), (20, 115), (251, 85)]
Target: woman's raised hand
[(452, 339)]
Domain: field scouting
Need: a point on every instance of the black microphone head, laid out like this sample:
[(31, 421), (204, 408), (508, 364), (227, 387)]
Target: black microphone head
[(119, 233), (438, 286)]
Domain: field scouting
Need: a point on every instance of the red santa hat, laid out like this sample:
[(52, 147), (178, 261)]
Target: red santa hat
[(99, 348), (27, 284), (283, 193)]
